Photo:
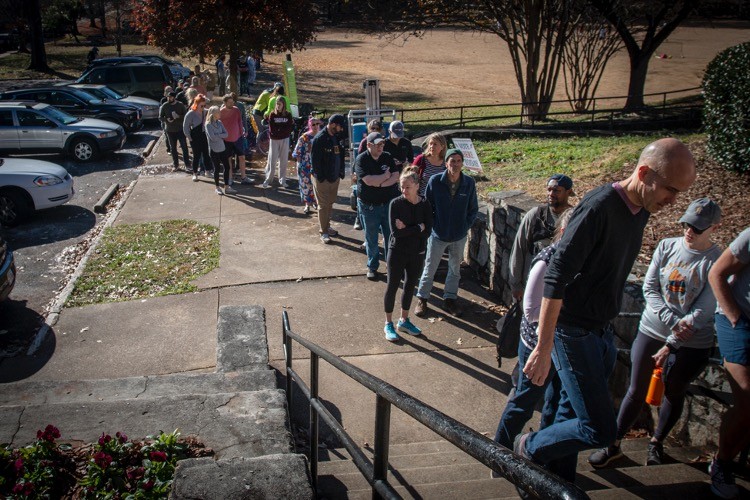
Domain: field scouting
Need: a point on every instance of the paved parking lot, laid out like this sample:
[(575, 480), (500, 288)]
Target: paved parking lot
[(49, 245)]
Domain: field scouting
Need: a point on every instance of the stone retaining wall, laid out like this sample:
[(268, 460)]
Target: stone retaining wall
[(488, 253)]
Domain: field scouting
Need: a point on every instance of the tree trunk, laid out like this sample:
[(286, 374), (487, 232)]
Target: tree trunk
[(234, 54), (638, 71), (103, 17), (38, 52)]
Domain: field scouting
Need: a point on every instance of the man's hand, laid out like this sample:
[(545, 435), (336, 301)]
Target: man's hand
[(399, 224), (661, 356), (537, 366)]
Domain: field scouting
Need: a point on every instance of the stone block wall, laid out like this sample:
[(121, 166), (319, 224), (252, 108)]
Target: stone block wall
[(488, 253)]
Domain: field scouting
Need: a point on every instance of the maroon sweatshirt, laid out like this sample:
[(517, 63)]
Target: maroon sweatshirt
[(280, 126)]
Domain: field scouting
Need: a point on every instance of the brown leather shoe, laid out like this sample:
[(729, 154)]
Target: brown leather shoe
[(421, 309), (451, 307)]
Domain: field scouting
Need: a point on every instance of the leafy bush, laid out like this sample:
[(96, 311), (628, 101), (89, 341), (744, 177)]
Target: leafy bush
[(726, 115)]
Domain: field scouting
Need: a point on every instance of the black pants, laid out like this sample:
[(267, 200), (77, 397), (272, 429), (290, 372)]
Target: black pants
[(680, 370), (199, 141), (174, 138), (402, 265), (220, 159)]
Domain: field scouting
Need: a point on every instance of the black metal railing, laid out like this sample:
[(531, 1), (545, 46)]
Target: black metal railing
[(521, 472)]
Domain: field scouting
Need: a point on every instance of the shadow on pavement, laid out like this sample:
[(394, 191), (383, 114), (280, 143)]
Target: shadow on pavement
[(48, 226), (16, 321)]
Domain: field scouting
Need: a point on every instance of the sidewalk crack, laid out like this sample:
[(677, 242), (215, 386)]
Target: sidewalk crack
[(145, 387), (18, 424)]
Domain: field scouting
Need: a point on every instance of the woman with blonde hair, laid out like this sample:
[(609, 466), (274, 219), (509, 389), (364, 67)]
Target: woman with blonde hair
[(216, 133), (410, 217), (432, 161)]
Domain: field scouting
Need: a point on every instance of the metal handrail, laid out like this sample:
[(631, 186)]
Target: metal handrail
[(523, 473)]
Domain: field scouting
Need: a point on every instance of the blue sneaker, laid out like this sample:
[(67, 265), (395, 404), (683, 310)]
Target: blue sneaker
[(406, 326), (390, 332)]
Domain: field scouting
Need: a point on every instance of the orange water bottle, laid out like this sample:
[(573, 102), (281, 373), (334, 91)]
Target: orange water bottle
[(656, 388)]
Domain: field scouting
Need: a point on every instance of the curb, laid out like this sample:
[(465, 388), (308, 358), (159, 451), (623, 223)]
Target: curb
[(99, 207), (54, 314)]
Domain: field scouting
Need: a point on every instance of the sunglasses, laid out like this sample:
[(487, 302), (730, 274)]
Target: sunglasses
[(319, 124), (685, 225)]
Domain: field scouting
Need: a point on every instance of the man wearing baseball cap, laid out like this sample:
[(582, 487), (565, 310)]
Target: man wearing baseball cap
[(453, 196), (536, 230), (397, 146), (377, 177), (327, 158)]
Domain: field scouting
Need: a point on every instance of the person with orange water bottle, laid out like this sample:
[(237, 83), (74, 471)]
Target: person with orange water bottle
[(675, 335)]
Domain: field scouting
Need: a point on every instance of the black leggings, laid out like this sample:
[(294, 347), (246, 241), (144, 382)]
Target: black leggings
[(402, 265), (679, 373), (220, 159), (200, 151)]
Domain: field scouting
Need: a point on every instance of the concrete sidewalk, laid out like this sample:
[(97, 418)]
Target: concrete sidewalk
[(271, 255)]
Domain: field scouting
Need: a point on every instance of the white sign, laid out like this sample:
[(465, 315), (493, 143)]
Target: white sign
[(471, 159)]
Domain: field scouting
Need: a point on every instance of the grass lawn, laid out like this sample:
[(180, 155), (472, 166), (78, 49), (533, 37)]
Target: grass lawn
[(147, 260)]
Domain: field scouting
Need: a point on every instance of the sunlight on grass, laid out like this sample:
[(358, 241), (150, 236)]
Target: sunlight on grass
[(147, 260)]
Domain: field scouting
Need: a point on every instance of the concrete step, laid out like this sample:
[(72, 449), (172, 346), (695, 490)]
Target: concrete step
[(262, 478), (241, 335), (234, 424), (85, 391)]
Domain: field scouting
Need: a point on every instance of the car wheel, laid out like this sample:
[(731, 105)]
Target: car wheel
[(14, 208), (83, 149)]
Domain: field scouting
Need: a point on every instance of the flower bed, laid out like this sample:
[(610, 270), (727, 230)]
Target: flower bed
[(114, 467)]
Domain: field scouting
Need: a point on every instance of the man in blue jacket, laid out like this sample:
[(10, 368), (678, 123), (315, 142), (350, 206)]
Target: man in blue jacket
[(453, 196), (327, 158)]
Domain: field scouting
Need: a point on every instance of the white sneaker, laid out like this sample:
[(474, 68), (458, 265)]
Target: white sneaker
[(195, 178), (219, 191)]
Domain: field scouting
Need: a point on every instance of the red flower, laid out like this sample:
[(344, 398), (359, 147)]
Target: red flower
[(17, 488), (121, 437), (50, 433), (28, 489), (148, 485), (18, 465), (158, 456), (102, 459), (135, 474), (104, 439)]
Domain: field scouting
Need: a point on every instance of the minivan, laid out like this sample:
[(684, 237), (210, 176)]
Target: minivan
[(137, 79)]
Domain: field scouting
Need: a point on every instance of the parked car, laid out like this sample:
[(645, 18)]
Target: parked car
[(137, 79), (81, 104), (28, 127), (178, 70), (113, 61), (7, 269), (149, 107), (27, 185)]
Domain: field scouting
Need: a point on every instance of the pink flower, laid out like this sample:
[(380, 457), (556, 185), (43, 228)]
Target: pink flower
[(17, 488), (158, 456), (18, 465), (104, 439), (102, 459), (121, 437), (28, 489)]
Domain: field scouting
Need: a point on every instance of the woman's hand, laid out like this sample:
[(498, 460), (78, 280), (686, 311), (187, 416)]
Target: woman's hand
[(399, 224), (683, 330), (661, 356)]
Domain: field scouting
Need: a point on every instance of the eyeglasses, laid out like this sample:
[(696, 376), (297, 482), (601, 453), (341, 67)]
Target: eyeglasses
[(685, 225), (319, 124)]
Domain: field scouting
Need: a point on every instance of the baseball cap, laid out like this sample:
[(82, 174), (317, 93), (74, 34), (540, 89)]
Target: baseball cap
[(397, 128), (561, 180), (338, 120), (702, 213), (375, 138), (453, 151), (172, 94)]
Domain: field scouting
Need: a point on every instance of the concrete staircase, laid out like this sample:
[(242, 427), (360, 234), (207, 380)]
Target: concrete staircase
[(438, 469), (237, 411)]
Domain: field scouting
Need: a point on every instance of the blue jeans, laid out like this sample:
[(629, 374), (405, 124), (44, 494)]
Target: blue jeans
[(435, 250), (374, 221), (520, 407), (585, 418)]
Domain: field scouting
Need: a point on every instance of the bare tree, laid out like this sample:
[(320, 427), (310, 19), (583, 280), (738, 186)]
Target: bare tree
[(33, 15), (588, 50), (643, 25)]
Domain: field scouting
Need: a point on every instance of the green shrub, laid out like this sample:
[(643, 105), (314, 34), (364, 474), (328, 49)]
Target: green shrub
[(726, 114)]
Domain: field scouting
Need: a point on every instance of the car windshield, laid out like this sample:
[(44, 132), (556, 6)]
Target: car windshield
[(84, 95), (109, 93), (60, 116)]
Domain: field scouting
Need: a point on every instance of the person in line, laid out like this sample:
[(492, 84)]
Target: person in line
[(520, 406), (261, 104), (232, 120), (730, 282), (216, 134), (397, 146), (432, 161), (243, 73), (410, 218), (328, 166), (251, 72), (377, 177), (453, 196), (280, 127), (244, 143), (276, 94), (164, 99), (221, 74), (676, 330), (583, 293), (304, 166), (194, 127), (373, 126), (536, 230), (197, 84), (171, 114)]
